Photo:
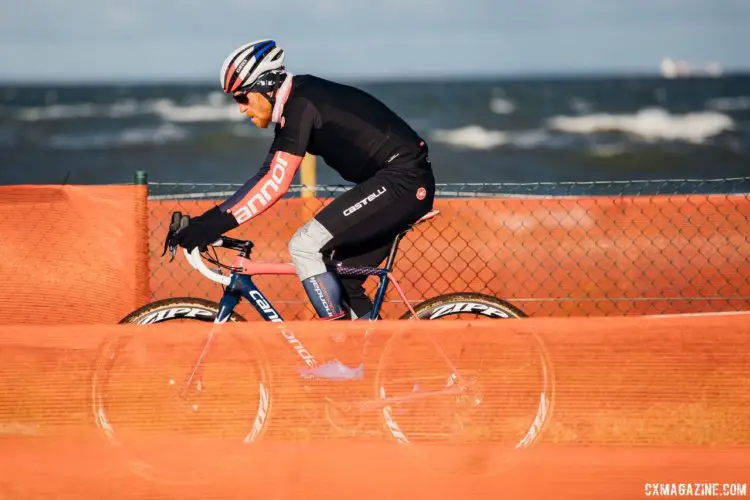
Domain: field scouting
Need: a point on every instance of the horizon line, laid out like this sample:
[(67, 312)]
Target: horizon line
[(385, 78)]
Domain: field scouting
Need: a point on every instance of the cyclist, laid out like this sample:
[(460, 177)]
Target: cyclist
[(359, 137)]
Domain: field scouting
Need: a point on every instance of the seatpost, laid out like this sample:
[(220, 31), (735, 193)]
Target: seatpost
[(394, 250)]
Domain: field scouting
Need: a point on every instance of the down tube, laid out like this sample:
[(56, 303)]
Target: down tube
[(242, 285)]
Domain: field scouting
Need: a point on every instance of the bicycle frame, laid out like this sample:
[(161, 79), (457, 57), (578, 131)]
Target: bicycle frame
[(241, 284)]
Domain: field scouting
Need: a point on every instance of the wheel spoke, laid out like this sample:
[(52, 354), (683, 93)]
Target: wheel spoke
[(503, 384), (184, 397)]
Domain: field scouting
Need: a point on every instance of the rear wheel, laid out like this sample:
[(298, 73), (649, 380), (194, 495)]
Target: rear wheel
[(465, 307), (470, 386), (180, 405)]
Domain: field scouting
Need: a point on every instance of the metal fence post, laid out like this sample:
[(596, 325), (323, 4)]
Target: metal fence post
[(308, 193), (307, 176), (142, 275)]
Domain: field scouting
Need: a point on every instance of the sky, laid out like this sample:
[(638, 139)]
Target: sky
[(146, 40)]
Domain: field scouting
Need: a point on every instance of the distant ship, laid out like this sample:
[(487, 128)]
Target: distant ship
[(683, 69)]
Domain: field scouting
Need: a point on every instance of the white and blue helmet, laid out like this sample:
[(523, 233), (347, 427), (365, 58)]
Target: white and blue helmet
[(246, 64)]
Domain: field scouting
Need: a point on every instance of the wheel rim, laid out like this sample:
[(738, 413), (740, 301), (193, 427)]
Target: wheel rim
[(142, 407)]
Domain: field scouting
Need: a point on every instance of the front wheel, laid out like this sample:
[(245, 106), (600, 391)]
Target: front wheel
[(180, 403), (177, 309)]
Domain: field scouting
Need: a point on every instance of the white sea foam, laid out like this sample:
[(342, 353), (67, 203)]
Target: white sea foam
[(652, 124), (580, 105), (472, 137), (213, 107), (501, 103), (502, 106), (62, 112), (741, 103), (161, 134), (477, 137), (607, 150)]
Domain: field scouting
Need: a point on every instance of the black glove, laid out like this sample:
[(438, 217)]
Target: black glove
[(204, 229)]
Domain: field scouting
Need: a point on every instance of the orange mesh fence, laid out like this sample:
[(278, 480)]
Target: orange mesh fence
[(587, 408), (549, 255), (72, 254), (79, 254)]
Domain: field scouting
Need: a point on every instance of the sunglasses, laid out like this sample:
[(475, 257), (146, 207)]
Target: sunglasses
[(241, 98)]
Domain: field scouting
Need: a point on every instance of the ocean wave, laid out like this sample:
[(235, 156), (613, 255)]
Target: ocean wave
[(607, 150), (124, 108), (652, 124), (500, 103), (477, 137), (212, 107), (580, 105), (161, 134), (741, 103), (502, 106), (72, 111)]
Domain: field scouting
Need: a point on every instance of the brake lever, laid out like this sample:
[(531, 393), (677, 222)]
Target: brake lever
[(177, 223)]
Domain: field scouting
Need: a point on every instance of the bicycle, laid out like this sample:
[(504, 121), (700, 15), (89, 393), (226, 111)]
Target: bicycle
[(245, 363)]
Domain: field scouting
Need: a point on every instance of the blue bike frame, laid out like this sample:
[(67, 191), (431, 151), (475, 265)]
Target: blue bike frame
[(241, 285)]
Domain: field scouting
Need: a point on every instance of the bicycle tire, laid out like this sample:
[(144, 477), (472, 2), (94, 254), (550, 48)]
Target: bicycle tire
[(234, 413), (523, 348), (171, 309), (492, 307)]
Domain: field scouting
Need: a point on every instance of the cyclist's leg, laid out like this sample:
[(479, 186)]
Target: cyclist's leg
[(359, 225), (321, 286), (355, 298), (372, 250)]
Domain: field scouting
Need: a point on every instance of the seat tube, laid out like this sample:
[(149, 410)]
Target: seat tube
[(384, 280), (380, 295)]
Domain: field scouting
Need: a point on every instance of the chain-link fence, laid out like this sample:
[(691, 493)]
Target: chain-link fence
[(575, 248)]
